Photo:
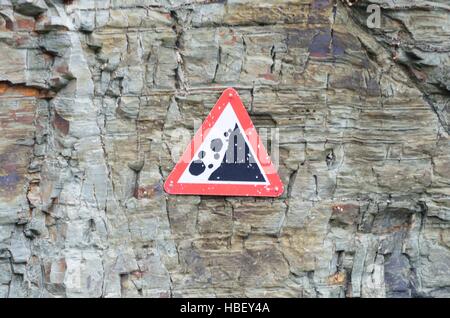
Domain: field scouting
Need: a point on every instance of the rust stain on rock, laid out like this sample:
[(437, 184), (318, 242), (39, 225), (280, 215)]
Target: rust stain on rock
[(24, 117), (61, 124), (25, 24), (21, 90), (338, 278), (147, 191), (143, 192), (54, 272)]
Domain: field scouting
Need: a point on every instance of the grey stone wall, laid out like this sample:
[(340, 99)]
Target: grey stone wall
[(92, 91)]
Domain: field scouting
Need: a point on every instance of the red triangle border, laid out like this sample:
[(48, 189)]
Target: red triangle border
[(273, 189)]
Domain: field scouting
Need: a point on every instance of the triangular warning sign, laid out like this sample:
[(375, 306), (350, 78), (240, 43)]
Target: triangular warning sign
[(226, 156)]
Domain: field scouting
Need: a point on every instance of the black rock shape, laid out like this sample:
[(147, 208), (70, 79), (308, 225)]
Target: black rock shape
[(196, 167), (238, 163)]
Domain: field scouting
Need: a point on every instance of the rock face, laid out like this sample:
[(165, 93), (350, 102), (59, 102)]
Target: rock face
[(93, 92)]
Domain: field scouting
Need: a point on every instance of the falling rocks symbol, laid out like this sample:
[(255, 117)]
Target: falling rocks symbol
[(226, 156)]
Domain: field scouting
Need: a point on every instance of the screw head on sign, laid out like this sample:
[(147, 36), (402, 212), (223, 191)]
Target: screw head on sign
[(230, 95)]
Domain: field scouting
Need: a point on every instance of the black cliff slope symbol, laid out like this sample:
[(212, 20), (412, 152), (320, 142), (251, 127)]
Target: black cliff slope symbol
[(238, 163)]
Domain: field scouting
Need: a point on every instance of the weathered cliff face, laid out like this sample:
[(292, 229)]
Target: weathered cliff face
[(91, 93)]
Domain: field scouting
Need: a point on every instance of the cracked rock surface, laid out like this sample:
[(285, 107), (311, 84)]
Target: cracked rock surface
[(92, 92)]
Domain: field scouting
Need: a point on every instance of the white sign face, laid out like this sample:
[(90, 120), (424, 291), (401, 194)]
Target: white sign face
[(218, 161)]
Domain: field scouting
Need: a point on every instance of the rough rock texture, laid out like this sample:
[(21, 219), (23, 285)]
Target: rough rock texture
[(92, 91)]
